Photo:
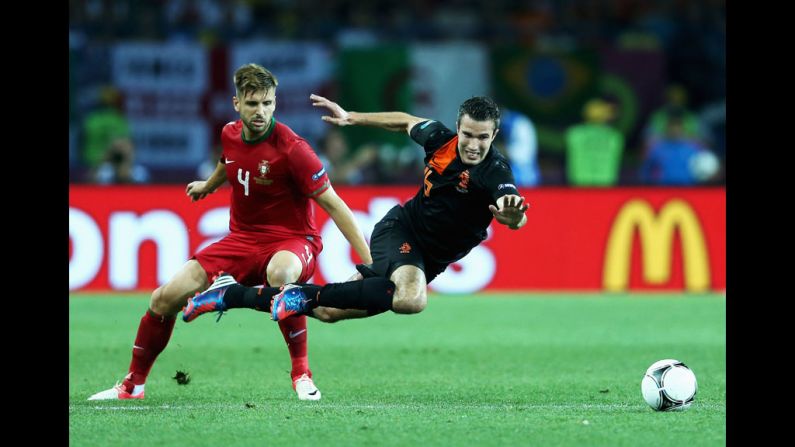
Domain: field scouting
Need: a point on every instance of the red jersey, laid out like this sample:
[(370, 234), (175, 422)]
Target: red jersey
[(273, 179)]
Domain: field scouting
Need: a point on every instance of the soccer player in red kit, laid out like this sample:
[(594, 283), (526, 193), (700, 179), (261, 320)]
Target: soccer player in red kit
[(273, 239)]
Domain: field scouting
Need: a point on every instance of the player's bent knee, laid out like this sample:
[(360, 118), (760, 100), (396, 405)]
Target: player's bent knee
[(159, 303), (165, 302), (411, 305), (280, 276), (418, 305)]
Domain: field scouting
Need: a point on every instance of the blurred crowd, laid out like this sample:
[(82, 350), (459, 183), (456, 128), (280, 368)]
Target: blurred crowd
[(682, 142)]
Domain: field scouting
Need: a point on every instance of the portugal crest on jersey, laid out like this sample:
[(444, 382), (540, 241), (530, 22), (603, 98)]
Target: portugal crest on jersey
[(262, 171)]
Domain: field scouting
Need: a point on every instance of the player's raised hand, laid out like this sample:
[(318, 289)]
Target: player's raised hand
[(197, 190), (509, 210), (338, 116)]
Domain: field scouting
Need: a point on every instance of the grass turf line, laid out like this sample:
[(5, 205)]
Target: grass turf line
[(469, 370)]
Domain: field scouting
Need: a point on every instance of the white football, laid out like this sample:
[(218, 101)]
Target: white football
[(669, 385)]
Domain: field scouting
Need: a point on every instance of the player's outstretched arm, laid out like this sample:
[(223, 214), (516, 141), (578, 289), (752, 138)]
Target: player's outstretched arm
[(394, 121), (199, 189), (510, 211), (342, 216)]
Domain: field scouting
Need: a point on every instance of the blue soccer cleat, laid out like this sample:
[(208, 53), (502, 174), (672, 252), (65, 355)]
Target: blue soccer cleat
[(211, 300), (290, 301)]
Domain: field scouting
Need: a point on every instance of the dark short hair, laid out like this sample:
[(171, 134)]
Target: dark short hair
[(251, 78), (480, 108)]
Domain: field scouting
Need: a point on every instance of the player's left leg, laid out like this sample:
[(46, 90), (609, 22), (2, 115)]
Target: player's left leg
[(287, 267), (225, 293), (352, 299), (332, 315), (155, 329)]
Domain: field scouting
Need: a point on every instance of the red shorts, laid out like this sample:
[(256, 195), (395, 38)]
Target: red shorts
[(246, 256)]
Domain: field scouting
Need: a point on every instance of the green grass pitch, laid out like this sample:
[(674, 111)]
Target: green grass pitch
[(514, 369)]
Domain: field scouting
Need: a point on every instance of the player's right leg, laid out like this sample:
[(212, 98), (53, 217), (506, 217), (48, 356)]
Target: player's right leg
[(410, 297), (332, 315), (396, 256), (411, 294), (155, 328), (289, 265), (225, 293)]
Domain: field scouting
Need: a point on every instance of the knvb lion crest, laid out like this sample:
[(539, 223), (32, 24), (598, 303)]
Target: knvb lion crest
[(463, 185), (263, 169)]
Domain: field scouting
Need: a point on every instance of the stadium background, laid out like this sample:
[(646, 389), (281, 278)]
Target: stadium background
[(169, 64), (538, 337)]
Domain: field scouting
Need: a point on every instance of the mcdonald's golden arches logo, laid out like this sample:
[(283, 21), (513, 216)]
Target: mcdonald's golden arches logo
[(656, 240)]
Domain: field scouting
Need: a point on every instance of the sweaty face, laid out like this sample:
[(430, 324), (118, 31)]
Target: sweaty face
[(256, 110), (474, 139)]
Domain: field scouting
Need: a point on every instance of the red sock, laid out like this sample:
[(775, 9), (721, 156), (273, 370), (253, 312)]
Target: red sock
[(153, 335), (296, 344)]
